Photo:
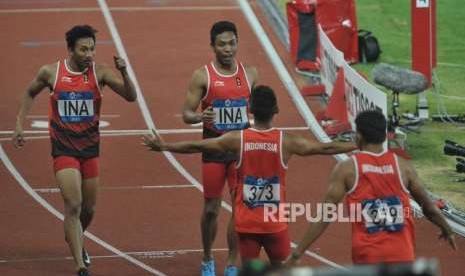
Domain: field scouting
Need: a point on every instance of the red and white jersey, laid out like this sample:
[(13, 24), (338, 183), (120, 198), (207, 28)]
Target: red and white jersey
[(74, 112), (261, 181), (386, 232), (229, 96)]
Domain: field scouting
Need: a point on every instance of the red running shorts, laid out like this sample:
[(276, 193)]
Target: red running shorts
[(89, 167), (214, 177)]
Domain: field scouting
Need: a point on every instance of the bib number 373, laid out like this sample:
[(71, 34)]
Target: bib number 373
[(260, 191)]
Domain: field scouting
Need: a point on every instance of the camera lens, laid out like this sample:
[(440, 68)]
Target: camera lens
[(460, 167), (450, 149)]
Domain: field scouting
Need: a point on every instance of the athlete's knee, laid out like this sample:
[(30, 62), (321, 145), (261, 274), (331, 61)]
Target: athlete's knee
[(212, 208), (88, 209), (73, 207)]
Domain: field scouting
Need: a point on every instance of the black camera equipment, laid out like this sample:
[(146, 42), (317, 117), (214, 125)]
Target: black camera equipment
[(454, 149), (460, 166)]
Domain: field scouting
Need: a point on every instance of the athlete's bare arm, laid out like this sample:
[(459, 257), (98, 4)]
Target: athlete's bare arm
[(430, 210), (252, 75), (339, 180), (44, 78), (196, 91), (123, 87), (227, 142), (296, 144)]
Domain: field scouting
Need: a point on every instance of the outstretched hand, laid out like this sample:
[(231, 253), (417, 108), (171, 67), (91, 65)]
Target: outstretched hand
[(449, 238), (153, 142)]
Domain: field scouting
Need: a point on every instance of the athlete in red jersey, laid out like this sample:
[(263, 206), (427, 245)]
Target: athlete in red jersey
[(379, 186), (74, 112), (381, 182), (222, 89), (264, 154), (262, 182), (75, 96)]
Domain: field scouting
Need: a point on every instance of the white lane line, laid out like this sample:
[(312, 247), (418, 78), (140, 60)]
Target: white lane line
[(51, 209), (120, 133), (56, 190), (141, 131), (156, 254), (120, 9), (27, 138), (48, 2), (149, 121)]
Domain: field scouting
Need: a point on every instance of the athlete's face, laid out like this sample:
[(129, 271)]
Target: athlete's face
[(225, 48), (83, 52)]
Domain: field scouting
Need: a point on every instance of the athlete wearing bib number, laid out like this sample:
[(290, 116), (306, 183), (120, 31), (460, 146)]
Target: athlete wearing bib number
[(221, 89), (381, 182), (261, 180), (387, 231), (74, 113), (228, 97), (261, 169)]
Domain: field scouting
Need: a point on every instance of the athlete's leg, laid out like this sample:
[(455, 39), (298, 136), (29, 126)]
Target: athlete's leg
[(249, 246), (231, 234), (277, 247), (90, 185), (89, 199), (209, 225), (69, 182), (213, 182)]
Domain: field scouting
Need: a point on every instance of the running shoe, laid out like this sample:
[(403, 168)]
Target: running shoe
[(83, 272), (208, 268), (231, 270), (85, 258)]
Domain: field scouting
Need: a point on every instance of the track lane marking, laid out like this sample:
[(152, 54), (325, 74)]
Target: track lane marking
[(23, 183), (148, 187), (120, 9), (151, 125), (141, 131), (155, 254)]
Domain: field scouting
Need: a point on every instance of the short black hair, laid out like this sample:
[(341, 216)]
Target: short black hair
[(221, 27), (77, 32), (263, 103), (371, 124)]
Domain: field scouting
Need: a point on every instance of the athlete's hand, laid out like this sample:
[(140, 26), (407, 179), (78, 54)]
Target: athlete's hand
[(153, 142), (208, 115), (18, 138), (120, 64), (449, 238), (290, 261)]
